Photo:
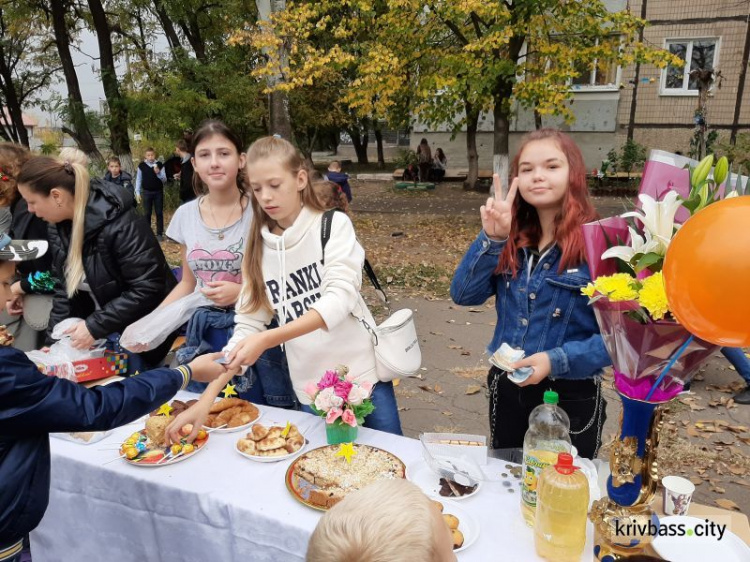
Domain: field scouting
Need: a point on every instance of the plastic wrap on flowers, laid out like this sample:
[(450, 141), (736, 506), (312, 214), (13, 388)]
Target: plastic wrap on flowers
[(640, 352)]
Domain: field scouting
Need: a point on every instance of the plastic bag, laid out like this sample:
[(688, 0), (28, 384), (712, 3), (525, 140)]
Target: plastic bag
[(61, 354), (83, 437), (150, 331)]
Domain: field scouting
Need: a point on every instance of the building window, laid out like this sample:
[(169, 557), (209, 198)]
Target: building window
[(697, 54), (601, 74)]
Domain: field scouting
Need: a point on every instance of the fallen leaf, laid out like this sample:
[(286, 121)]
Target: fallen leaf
[(466, 353), (727, 504), (724, 441), (696, 480), (738, 428), (692, 432), (396, 382), (438, 389), (718, 490), (455, 347), (737, 470), (447, 413), (425, 388), (473, 389)]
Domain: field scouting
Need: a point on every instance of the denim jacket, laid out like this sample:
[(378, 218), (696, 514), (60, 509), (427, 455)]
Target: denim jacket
[(543, 312)]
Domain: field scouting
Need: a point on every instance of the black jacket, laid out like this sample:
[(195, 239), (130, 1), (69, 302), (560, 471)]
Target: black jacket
[(32, 405), (187, 193), (123, 264)]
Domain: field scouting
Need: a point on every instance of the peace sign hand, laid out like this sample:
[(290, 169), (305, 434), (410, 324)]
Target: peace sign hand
[(496, 214)]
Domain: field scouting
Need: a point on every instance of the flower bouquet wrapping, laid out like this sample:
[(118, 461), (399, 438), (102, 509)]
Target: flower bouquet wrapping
[(343, 402), (652, 354)]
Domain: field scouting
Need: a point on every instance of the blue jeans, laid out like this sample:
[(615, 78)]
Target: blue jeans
[(739, 360), (385, 416)]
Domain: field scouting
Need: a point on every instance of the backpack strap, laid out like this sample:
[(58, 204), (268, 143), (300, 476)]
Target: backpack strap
[(325, 236)]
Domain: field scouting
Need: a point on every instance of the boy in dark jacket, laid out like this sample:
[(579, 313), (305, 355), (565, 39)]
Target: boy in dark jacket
[(335, 175), (118, 177), (149, 188), (32, 405)]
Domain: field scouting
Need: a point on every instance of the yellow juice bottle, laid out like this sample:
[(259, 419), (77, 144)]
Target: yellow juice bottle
[(546, 437), (561, 511)]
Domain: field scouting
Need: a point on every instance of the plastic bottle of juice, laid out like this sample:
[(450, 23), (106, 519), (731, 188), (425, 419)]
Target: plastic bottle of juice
[(546, 437), (561, 510)]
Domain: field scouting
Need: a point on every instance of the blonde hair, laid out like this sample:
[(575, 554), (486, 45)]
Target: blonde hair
[(388, 521), (253, 296), (69, 171)]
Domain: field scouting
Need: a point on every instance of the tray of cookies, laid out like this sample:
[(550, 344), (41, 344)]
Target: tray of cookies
[(271, 443), (228, 415)]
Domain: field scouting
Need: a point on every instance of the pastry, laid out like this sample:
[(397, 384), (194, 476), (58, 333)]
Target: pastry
[(6, 338), (155, 429), (226, 403), (334, 477), (438, 505), (458, 538), (270, 441), (451, 521)]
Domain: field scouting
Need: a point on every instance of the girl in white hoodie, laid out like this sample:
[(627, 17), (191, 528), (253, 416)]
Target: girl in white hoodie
[(284, 275)]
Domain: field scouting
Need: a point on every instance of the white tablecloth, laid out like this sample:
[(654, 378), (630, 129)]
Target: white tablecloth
[(220, 506)]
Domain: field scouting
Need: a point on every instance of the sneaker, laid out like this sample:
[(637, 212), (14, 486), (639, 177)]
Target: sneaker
[(743, 396)]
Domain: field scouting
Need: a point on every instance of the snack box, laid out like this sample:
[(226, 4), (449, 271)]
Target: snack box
[(457, 445), (97, 368)]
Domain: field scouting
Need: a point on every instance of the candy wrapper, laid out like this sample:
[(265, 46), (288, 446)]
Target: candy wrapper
[(640, 352)]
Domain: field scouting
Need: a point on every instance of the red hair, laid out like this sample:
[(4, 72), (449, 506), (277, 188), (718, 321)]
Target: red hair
[(577, 210)]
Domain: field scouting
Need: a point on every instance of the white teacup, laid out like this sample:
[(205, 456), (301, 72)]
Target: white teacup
[(678, 492)]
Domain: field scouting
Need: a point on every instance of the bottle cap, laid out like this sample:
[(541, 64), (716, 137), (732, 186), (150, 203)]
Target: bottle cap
[(551, 397), (565, 464)]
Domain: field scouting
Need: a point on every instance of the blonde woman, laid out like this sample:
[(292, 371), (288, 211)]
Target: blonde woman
[(111, 267)]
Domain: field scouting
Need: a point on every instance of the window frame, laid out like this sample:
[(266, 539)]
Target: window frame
[(685, 91), (590, 87)]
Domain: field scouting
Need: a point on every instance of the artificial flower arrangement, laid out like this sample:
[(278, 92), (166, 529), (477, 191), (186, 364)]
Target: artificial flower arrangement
[(627, 292), (342, 401)]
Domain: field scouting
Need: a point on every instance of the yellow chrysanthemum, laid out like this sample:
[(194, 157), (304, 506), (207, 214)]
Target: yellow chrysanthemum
[(617, 287), (589, 290), (653, 297)]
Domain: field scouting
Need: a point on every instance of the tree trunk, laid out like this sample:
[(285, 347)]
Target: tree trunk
[(537, 119), (83, 135), (360, 144), (118, 111), (175, 46), (379, 142), (278, 102), (16, 128), (472, 123), (501, 134)]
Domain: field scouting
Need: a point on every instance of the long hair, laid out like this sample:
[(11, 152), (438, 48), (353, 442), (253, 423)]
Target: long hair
[(577, 209), (41, 174), (12, 159), (253, 296), (210, 128)]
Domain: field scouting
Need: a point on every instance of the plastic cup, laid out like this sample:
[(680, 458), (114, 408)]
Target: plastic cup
[(678, 492)]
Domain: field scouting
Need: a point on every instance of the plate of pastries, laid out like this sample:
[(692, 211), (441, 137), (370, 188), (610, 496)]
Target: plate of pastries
[(234, 414), (271, 442), (464, 528)]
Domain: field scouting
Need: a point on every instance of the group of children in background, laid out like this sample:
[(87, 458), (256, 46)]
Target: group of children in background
[(251, 232)]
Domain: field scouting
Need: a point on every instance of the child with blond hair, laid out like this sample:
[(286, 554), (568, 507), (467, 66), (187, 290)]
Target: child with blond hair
[(390, 520)]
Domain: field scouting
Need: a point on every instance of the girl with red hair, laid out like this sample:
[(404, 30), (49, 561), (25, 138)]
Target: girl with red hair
[(530, 257)]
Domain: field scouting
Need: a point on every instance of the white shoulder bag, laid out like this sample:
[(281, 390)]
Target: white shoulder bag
[(395, 341)]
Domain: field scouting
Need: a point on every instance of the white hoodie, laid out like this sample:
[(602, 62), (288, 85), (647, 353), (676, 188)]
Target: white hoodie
[(296, 281)]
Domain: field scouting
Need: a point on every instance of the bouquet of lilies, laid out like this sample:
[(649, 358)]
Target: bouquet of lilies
[(653, 355), (340, 399)]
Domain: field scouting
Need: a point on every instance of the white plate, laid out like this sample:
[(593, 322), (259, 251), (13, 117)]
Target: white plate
[(429, 482), (239, 427), (699, 549), (274, 459), (467, 524)]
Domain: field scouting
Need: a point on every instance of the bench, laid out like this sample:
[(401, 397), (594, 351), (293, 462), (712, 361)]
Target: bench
[(451, 174)]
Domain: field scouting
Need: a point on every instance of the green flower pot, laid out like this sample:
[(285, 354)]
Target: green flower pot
[(338, 432)]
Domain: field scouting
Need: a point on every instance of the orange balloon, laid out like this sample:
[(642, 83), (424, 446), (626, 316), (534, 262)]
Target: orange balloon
[(707, 273)]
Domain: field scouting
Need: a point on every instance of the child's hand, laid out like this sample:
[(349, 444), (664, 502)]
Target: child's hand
[(15, 305), (541, 364), (206, 369), (80, 336), (195, 415), (496, 214), (247, 351), (222, 293)]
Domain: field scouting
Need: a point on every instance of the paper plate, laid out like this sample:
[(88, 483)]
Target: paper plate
[(429, 482), (693, 548), (467, 523), (150, 457)]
